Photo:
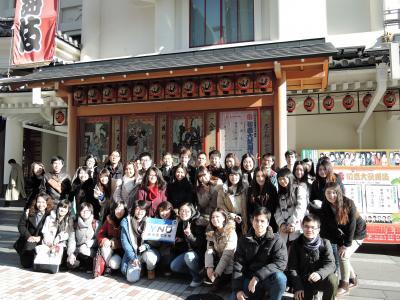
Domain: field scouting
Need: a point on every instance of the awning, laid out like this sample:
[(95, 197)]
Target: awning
[(255, 53)]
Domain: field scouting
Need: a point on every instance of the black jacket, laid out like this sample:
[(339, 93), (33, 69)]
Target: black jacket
[(196, 241), (167, 174), (47, 187), (318, 188), (218, 172), (179, 192), (258, 257), (27, 227), (303, 262), (342, 235), (34, 186), (191, 174), (116, 173)]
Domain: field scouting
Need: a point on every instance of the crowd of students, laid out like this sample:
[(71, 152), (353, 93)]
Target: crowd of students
[(255, 227)]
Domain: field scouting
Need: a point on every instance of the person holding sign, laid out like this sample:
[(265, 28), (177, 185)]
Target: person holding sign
[(137, 252), (221, 246), (190, 244)]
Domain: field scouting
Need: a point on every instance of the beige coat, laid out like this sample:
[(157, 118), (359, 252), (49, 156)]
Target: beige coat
[(16, 185), (223, 247), (224, 201)]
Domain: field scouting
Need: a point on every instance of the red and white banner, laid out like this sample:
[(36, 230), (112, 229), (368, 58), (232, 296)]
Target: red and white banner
[(35, 28)]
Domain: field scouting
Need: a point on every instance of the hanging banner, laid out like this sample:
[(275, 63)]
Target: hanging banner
[(35, 27)]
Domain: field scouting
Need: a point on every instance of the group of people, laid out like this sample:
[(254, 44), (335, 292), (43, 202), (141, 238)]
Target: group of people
[(255, 227)]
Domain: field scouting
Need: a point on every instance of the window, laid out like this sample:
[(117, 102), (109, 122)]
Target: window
[(214, 22)]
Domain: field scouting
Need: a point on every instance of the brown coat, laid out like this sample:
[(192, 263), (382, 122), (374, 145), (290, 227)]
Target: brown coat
[(221, 246)]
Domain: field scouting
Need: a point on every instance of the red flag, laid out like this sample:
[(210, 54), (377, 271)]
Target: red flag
[(35, 27)]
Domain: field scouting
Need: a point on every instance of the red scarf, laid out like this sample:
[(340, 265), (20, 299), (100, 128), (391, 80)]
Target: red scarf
[(153, 192)]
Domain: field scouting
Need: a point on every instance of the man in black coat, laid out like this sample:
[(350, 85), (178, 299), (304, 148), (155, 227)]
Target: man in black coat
[(56, 183), (259, 261), (312, 264)]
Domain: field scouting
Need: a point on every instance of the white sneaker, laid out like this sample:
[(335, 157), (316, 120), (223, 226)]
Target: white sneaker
[(195, 284)]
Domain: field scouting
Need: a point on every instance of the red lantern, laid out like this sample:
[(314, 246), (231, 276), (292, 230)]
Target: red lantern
[(79, 96), (155, 90), (139, 91), (207, 86), (309, 104), (172, 89), (94, 95), (225, 84), (263, 81), (189, 88), (243, 83), (328, 103), (109, 94), (348, 102), (124, 93), (389, 99), (291, 105), (366, 100)]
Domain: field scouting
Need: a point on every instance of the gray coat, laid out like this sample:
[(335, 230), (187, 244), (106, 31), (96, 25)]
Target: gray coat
[(85, 232)]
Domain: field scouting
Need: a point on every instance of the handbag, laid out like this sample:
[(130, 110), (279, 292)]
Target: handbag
[(47, 259), (98, 264), (133, 273)]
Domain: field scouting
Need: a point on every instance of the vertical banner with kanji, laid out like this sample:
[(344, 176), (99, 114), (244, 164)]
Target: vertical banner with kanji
[(35, 27)]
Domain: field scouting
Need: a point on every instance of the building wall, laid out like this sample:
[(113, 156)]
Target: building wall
[(53, 145), (387, 130), (335, 131)]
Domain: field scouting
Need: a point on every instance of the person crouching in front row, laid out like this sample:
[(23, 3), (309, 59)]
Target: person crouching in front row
[(109, 236), (221, 246), (259, 261), (311, 263), (137, 252)]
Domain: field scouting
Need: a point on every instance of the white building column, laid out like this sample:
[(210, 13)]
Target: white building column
[(13, 147), (165, 25), (280, 124), (91, 29)]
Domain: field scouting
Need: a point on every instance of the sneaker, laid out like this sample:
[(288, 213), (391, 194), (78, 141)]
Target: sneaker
[(353, 282), (195, 284)]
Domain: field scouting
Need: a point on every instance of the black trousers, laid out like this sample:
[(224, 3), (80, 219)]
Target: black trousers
[(328, 287)]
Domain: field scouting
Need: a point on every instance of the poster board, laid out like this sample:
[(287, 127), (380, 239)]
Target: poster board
[(160, 230), (371, 178)]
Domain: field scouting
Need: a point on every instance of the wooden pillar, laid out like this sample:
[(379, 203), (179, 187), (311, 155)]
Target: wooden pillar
[(280, 124), (72, 136)]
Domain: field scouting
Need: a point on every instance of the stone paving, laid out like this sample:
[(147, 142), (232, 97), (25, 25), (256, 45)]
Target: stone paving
[(378, 274)]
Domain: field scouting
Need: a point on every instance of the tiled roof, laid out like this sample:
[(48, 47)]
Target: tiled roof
[(182, 60)]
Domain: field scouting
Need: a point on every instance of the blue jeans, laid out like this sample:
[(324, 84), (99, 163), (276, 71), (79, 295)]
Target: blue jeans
[(187, 263), (274, 284), (336, 255)]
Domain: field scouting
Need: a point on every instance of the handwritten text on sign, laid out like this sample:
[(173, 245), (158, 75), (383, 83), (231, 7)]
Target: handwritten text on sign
[(160, 230)]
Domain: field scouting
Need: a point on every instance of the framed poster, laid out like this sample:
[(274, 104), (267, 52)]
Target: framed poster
[(211, 132), (116, 140), (162, 135), (238, 132), (95, 138), (138, 136), (187, 131)]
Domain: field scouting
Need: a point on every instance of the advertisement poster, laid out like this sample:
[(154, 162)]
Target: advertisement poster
[(160, 230), (238, 132), (139, 132), (187, 131), (372, 180), (96, 138)]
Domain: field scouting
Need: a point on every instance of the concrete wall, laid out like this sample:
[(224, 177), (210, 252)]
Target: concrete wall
[(336, 131), (53, 145), (387, 130)]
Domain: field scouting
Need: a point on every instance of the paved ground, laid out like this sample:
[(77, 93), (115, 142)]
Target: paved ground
[(378, 269)]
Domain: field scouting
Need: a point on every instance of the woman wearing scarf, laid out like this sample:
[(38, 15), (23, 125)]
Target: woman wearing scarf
[(312, 264), (137, 252), (152, 190)]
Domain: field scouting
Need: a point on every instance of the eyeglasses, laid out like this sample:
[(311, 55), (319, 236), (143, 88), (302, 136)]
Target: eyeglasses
[(310, 227)]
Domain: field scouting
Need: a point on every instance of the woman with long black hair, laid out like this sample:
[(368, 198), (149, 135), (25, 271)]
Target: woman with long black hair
[(344, 227), (263, 193)]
